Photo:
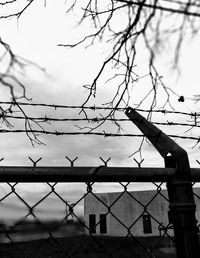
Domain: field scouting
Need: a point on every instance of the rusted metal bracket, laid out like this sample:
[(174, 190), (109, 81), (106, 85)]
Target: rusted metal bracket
[(182, 206)]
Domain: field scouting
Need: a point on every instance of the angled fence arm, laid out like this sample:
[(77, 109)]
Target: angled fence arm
[(181, 200)]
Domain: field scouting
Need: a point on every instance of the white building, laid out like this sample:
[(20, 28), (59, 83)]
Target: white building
[(143, 213)]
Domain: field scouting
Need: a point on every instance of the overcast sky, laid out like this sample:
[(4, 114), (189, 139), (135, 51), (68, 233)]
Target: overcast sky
[(35, 36)]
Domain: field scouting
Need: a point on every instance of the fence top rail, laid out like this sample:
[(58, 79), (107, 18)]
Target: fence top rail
[(89, 174)]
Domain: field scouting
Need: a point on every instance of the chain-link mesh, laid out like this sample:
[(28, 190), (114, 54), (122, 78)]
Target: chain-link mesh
[(79, 220), (88, 219)]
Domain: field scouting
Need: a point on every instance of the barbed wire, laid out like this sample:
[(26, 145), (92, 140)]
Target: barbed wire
[(105, 134), (33, 126), (59, 106), (94, 120)]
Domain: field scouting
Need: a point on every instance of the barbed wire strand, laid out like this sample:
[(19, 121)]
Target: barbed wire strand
[(94, 120), (105, 134), (58, 106)]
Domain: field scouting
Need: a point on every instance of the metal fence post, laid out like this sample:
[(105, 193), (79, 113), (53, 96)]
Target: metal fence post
[(182, 206)]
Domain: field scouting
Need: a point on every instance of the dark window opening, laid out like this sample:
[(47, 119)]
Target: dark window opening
[(92, 223), (147, 224), (103, 224)]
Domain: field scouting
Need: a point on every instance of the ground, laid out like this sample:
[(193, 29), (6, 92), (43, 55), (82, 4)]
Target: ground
[(84, 246)]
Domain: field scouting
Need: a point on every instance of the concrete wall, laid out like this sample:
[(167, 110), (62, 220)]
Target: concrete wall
[(127, 209)]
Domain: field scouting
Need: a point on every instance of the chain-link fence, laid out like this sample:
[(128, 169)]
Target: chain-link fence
[(103, 211), (88, 212), (86, 224)]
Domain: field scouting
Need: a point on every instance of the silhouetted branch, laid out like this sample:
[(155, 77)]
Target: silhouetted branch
[(144, 22)]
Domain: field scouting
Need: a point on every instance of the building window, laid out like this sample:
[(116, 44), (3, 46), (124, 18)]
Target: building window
[(147, 224), (92, 224), (103, 224)]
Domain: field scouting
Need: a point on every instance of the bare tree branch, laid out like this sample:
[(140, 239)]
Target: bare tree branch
[(146, 23)]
